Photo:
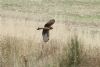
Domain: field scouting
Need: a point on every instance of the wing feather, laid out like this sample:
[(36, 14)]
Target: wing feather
[(49, 23)]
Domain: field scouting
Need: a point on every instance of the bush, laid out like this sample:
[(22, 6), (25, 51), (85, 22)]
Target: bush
[(72, 54)]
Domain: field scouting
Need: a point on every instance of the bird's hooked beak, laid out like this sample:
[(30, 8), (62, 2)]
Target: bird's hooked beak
[(38, 28)]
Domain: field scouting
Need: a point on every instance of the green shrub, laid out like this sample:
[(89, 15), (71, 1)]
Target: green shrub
[(72, 54)]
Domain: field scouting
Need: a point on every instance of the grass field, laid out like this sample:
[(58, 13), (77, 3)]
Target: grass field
[(72, 10), (74, 41)]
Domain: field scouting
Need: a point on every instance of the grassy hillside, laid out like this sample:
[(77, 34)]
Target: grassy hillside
[(72, 10)]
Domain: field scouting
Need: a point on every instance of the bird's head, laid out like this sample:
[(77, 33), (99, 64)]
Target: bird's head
[(38, 28)]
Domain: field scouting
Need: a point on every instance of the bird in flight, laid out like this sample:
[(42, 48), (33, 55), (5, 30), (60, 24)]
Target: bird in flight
[(47, 27)]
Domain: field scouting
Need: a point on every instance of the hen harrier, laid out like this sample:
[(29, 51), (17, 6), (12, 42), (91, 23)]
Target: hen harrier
[(47, 27)]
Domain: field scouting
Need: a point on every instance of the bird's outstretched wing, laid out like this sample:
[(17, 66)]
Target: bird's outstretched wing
[(49, 23), (45, 34)]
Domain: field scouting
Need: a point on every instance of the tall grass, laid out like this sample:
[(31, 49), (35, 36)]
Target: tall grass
[(72, 54), (22, 48), (17, 52)]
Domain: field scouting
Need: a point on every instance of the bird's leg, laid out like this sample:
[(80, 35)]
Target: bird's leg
[(39, 28)]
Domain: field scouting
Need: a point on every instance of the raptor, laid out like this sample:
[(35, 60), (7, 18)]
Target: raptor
[(46, 28)]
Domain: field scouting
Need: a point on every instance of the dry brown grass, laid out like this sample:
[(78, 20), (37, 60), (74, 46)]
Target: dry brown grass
[(21, 44)]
